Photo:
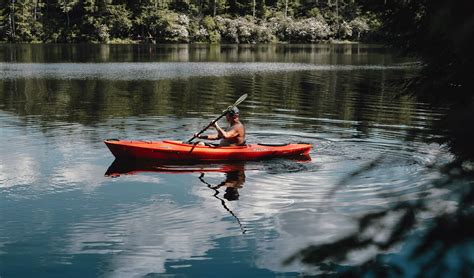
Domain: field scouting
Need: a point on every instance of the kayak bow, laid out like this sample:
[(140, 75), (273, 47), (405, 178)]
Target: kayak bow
[(178, 151)]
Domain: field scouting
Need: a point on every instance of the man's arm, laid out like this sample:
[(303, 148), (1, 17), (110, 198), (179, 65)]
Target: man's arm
[(226, 134), (209, 137), (221, 133)]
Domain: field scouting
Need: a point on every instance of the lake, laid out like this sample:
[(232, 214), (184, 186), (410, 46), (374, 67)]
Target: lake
[(62, 216)]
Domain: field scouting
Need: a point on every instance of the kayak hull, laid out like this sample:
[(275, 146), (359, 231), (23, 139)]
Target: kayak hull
[(178, 151)]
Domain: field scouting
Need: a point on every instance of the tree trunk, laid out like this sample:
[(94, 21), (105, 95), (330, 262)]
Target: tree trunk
[(337, 18), (286, 8), (12, 19), (253, 8), (214, 9), (35, 9)]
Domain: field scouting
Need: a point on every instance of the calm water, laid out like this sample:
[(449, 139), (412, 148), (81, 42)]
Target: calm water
[(63, 217)]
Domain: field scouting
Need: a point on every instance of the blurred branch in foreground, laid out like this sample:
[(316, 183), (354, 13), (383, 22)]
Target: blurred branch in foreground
[(437, 246)]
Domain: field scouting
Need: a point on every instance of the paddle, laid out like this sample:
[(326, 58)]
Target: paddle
[(242, 98)]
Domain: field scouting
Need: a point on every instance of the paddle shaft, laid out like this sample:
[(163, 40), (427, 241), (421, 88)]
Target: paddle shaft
[(208, 126)]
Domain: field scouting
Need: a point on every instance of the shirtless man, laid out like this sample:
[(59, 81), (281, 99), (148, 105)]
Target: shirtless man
[(234, 135)]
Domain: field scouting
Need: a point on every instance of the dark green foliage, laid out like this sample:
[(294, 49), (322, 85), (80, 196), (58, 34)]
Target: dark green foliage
[(165, 21), (21, 20), (162, 26), (118, 20)]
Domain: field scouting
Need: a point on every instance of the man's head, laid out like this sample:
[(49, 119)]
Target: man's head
[(233, 113)]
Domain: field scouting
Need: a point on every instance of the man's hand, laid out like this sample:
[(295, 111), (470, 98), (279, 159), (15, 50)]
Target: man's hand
[(201, 136)]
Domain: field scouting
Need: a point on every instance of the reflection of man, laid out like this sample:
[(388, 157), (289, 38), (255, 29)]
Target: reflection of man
[(234, 180)]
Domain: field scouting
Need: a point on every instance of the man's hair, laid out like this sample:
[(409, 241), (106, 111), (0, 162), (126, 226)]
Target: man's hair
[(234, 111)]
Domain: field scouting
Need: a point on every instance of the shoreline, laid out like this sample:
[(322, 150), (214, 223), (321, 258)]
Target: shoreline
[(328, 42)]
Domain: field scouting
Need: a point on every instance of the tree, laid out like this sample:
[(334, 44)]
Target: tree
[(21, 20), (66, 7), (118, 20)]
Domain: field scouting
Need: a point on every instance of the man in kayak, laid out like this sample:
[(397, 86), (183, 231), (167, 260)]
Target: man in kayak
[(234, 135)]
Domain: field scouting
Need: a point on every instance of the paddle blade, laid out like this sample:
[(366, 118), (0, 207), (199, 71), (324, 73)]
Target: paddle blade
[(237, 102), (242, 98)]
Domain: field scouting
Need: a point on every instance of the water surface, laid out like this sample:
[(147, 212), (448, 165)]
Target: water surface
[(62, 216)]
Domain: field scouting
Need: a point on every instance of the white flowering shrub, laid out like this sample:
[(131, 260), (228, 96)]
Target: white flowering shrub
[(305, 30), (176, 29), (183, 19), (228, 29), (166, 26), (345, 30), (243, 30), (103, 33), (199, 34), (359, 26), (176, 33)]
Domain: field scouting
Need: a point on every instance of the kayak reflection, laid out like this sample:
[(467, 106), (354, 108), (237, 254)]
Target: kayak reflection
[(131, 167), (234, 177)]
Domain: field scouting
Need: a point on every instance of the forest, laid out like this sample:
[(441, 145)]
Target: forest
[(186, 21)]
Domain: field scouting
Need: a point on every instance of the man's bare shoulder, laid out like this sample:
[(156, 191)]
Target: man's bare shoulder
[(238, 127)]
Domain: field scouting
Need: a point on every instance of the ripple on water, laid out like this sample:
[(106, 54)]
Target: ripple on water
[(165, 70)]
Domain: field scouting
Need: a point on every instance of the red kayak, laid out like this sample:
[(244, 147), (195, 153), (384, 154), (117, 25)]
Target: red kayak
[(179, 151)]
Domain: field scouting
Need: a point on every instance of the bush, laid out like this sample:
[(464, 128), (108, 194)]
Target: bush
[(198, 33), (305, 30), (243, 30), (212, 30), (118, 21), (204, 30), (92, 30), (316, 13), (103, 33), (359, 26), (227, 29), (163, 26), (345, 30)]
